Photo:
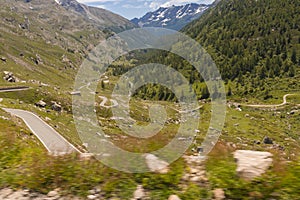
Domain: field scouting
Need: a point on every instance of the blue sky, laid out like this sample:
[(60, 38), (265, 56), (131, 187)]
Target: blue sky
[(137, 8)]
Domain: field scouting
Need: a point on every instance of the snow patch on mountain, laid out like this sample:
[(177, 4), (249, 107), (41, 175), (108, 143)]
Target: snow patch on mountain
[(58, 2), (174, 17)]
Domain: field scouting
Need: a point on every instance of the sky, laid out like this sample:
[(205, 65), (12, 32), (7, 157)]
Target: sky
[(137, 8)]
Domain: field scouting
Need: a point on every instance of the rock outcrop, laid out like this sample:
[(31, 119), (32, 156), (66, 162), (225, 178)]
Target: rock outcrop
[(9, 76), (139, 193), (219, 194), (41, 104), (56, 107), (196, 172), (173, 197), (156, 165), (252, 164)]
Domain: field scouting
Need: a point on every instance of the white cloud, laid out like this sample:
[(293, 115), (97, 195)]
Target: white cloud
[(101, 6), (132, 6), (154, 5)]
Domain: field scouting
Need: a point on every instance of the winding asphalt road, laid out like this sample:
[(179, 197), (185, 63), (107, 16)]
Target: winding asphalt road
[(104, 100), (51, 139), (14, 89)]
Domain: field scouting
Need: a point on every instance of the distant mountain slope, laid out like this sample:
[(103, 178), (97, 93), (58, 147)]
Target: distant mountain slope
[(174, 17), (98, 15), (261, 38), (46, 40), (255, 45)]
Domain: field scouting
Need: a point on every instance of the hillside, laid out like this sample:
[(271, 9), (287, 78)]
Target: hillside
[(98, 16), (255, 39), (255, 45), (45, 41), (174, 17)]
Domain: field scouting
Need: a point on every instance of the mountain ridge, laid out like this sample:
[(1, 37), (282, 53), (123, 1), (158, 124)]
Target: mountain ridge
[(45, 41), (173, 17), (98, 15)]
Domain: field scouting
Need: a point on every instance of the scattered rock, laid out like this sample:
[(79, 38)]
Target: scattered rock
[(194, 171), (23, 26), (197, 173), (156, 165), (86, 156), (257, 142), (92, 191), (53, 193), (139, 193), (3, 58), (16, 195), (9, 76), (293, 112), (173, 197), (67, 61), (92, 197), (267, 140), (56, 107), (200, 149), (41, 103), (5, 192), (196, 179), (219, 194), (39, 59), (77, 93), (252, 164)]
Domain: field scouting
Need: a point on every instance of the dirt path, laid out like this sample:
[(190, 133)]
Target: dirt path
[(270, 106)]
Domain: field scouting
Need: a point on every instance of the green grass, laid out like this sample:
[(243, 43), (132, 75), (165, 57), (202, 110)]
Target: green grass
[(43, 173), (280, 182)]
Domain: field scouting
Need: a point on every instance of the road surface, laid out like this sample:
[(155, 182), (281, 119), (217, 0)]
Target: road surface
[(14, 89), (270, 106), (104, 100), (51, 139)]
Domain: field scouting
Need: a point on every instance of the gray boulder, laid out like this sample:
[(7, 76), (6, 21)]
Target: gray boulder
[(3, 58), (56, 107), (252, 164), (9, 76), (173, 197), (156, 165), (41, 104), (267, 140), (139, 193), (219, 194)]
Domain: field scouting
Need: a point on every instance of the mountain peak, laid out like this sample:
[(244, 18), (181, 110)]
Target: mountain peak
[(173, 17)]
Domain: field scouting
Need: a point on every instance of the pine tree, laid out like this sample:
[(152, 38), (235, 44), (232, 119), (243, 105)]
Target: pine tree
[(204, 93), (292, 71), (229, 92), (294, 57)]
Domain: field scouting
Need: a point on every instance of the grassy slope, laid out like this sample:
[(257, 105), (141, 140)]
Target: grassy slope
[(23, 159)]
